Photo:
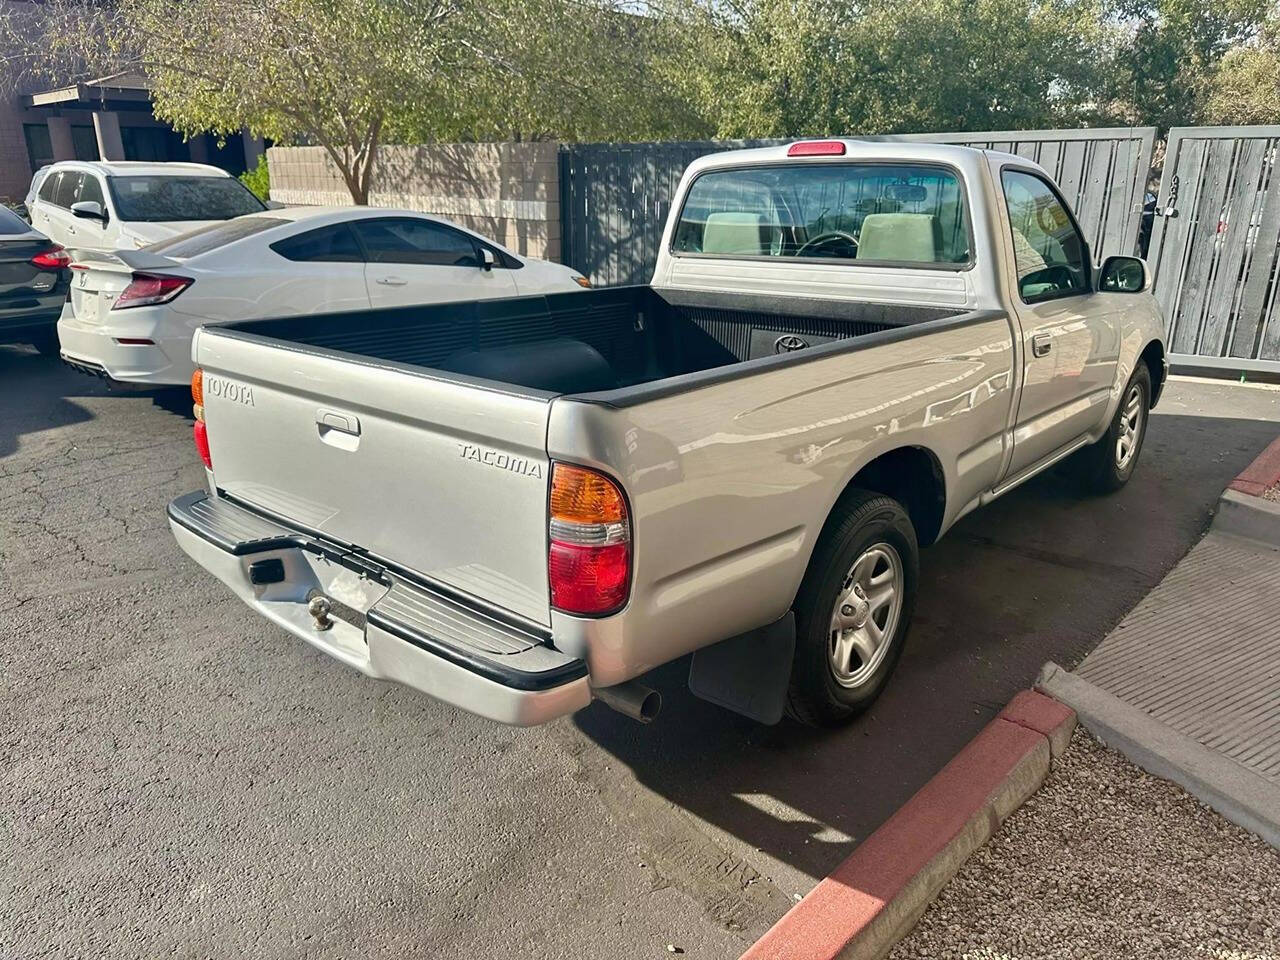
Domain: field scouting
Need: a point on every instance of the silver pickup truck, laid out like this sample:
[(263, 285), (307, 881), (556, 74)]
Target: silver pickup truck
[(518, 505)]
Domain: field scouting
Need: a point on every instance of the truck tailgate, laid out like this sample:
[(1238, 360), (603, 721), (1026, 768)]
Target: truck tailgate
[(442, 477)]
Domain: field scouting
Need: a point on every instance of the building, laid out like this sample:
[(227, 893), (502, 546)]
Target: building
[(105, 119)]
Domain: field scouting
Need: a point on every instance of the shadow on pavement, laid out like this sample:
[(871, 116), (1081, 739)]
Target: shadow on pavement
[(1040, 574), (39, 393)]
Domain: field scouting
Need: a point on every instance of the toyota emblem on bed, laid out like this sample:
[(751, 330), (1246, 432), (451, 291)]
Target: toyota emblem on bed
[(789, 344)]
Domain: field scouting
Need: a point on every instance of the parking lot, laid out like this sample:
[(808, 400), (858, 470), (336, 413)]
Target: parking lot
[(180, 778)]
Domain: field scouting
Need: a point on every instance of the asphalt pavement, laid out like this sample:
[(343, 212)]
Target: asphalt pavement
[(177, 777)]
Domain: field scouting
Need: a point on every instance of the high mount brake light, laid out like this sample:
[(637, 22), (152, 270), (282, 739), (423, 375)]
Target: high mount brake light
[(200, 432), (148, 289), (816, 148), (589, 559), (55, 258)]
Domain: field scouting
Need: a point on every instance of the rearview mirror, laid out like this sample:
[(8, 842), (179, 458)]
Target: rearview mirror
[(88, 210), (1122, 275), (487, 259)]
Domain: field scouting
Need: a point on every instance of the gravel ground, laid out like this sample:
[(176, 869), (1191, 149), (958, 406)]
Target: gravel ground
[(1106, 861), (1273, 493)]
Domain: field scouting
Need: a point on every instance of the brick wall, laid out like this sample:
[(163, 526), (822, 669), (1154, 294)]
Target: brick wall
[(509, 192)]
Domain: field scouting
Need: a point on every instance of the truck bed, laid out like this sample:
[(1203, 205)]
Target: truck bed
[(596, 340)]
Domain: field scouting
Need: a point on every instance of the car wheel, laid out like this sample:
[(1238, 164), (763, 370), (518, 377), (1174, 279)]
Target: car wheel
[(1107, 465), (853, 609)]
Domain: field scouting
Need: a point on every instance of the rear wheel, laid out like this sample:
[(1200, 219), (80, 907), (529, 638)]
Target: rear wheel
[(1107, 465), (853, 609)]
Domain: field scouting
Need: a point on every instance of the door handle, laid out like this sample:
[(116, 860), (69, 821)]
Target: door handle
[(1041, 344), (342, 422), (392, 281)]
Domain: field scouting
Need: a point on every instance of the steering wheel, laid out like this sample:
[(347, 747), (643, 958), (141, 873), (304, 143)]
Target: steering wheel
[(835, 242), (1047, 220)]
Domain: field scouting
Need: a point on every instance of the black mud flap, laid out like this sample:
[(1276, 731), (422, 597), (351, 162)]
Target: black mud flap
[(749, 673)]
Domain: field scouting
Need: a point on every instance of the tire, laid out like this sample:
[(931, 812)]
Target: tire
[(1107, 465), (865, 528), (47, 344)]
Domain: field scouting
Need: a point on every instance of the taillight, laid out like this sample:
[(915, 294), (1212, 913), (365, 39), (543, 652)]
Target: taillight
[(148, 289), (55, 258), (200, 431), (589, 560)]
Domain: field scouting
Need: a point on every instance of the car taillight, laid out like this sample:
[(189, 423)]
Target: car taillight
[(200, 431), (55, 258), (148, 289), (589, 559)]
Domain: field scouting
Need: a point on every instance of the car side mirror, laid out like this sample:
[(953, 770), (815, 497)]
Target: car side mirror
[(487, 259), (88, 210), (1122, 275)]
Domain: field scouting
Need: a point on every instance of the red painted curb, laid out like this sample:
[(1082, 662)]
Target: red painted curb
[(1261, 475), (843, 906)]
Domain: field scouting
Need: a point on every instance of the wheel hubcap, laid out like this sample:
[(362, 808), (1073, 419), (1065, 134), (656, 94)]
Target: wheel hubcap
[(1130, 427), (865, 615)]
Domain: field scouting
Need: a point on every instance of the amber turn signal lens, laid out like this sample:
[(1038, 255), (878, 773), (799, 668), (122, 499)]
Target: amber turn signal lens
[(584, 496), (197, 388), (583, 282)]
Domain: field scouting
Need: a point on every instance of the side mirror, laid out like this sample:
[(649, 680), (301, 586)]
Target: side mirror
[(88, 210), (1122, 275), (487, 259)]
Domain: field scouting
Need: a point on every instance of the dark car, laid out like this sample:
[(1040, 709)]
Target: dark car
[(34, 277)]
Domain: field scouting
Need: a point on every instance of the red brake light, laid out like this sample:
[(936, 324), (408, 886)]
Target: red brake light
[(55, 258), (201, 433), (589, 560), (147, 289), (816, 148)]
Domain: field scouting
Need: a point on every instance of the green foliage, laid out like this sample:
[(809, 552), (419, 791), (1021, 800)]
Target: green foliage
[(258, 180), (1246, 86)]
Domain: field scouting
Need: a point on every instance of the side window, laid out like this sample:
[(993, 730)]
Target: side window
[(49, 186), (416, 241), (68, 187), (333, 244), (1048, 250), (91, 189)]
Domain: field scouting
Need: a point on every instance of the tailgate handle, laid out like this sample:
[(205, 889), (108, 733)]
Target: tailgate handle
[(342, 422)]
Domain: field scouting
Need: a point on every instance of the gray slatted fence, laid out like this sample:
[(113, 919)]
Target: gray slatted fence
[(615, 197), (1214, 246)]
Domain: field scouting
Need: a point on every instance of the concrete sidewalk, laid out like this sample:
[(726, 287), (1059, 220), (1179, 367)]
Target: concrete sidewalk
[(1188, 685)]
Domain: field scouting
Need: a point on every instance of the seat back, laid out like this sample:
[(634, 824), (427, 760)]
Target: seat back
[(734, 232), (899, 236)]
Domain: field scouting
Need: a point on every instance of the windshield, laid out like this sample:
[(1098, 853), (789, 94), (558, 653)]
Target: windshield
[(187, 245), (156, 199), (887, 213)]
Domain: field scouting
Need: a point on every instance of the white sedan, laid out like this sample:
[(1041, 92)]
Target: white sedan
[(132, 313)]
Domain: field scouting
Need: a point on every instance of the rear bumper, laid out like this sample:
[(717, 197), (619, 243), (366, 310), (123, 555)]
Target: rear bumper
[(37, 318), (395, 629), (164, 362)]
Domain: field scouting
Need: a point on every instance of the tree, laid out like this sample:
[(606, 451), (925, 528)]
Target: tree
[(1245, 88), (347, 75), (1168, 52), (811, 67)]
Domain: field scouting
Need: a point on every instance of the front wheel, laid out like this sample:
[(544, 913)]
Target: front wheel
[(1107, 465), (853, 609)]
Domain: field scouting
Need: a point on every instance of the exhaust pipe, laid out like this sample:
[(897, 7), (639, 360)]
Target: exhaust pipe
[(633, 699)]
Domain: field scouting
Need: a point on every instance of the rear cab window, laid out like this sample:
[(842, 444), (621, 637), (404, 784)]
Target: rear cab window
[(159, 199), (886, 213)]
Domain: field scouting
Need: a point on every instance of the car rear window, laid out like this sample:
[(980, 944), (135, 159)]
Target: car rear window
[(188, 245), (11, 224), (888, 213), (163, 198)]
